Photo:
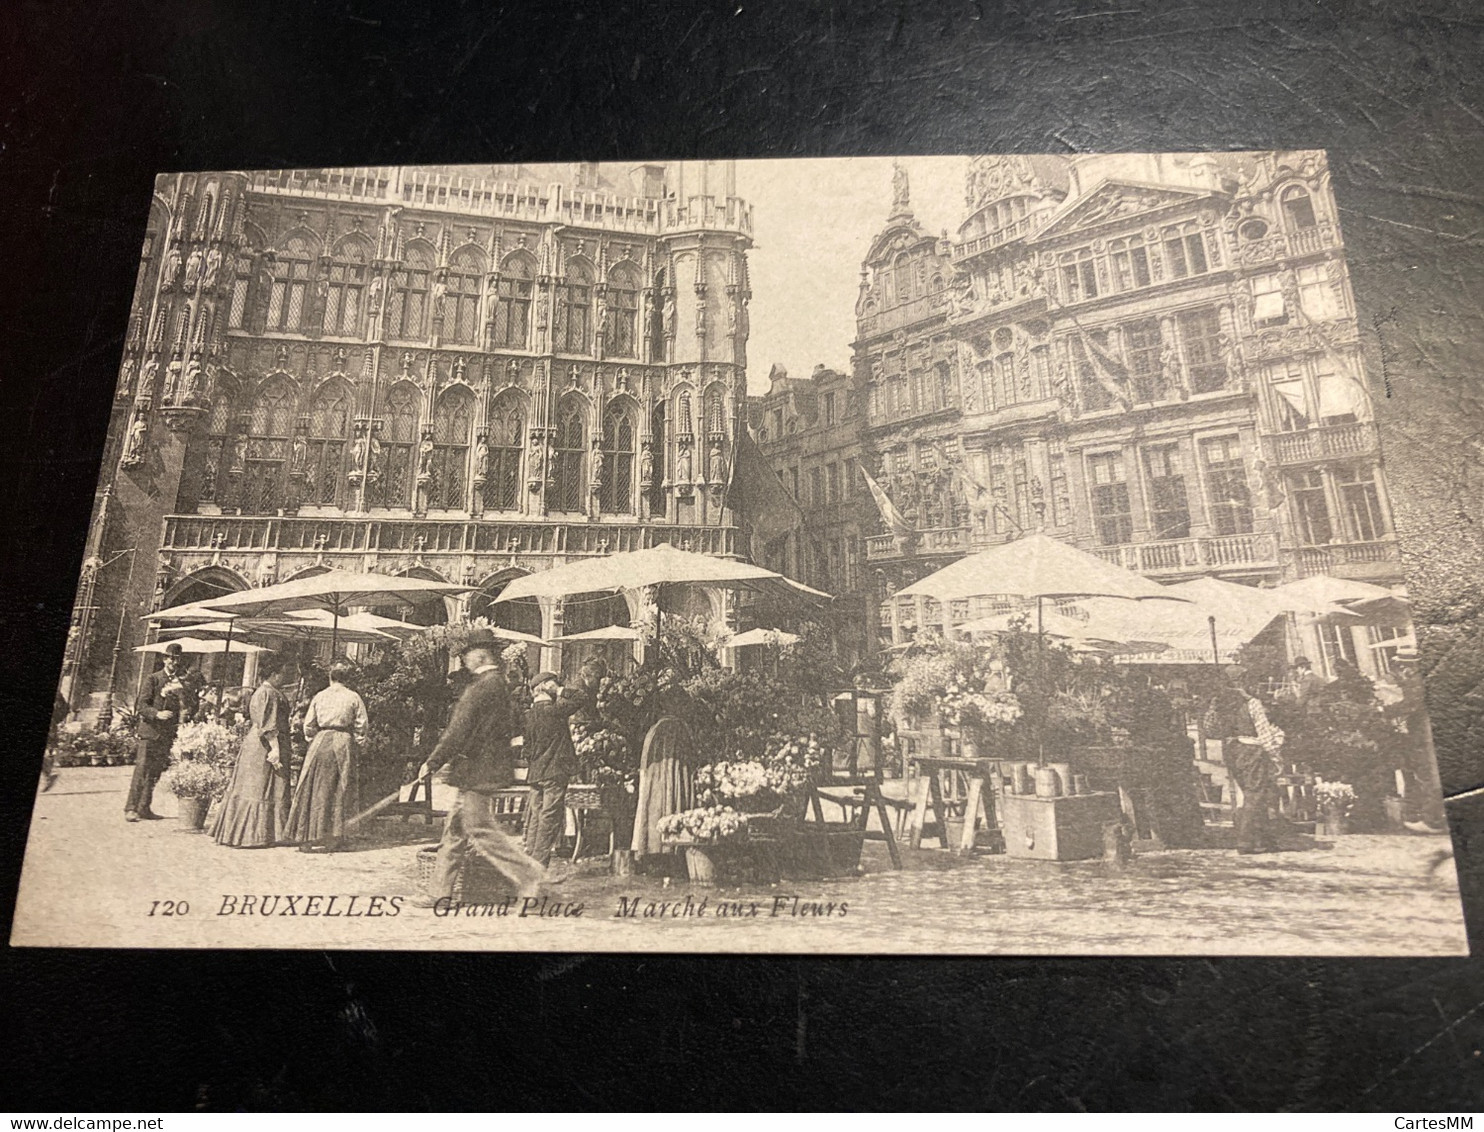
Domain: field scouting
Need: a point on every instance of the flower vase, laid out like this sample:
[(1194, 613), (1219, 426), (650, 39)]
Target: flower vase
[(191, 812), (1335, 821), (700, 864)]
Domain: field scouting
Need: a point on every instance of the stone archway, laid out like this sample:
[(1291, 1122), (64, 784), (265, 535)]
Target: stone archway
[(230, 669), (521, 616)]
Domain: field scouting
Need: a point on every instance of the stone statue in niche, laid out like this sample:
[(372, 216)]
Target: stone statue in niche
[(667, 315), (374, 293), (147, 376), (191, 387), (192, 269), (171, 270), (537, 460), (482, 457), (1169, 368), (239, 452), (299, 457), (646, 464), (425, 457), (134, 444), (596, 465), (717, 465), (683, 465), (172, 381), (126, 379), (212, 269)]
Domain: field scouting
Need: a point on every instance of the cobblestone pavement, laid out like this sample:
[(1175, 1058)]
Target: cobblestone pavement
[(90, 879)]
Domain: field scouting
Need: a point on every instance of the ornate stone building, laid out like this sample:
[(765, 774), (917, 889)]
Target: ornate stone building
[(462, 373), (1154, 357)]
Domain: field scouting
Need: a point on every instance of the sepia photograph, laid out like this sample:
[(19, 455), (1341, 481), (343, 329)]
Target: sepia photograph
[(991, 554)]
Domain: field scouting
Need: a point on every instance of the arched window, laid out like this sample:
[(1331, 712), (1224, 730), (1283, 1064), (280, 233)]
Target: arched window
[(1298, 209), (392, 487), (571, 447), (574, 310), (461, 301), (620, 339), (453, 422), (407, 312), (659, 471), (617, 492), (507, 427), (217, 451), (329, 437), (513, 315), (269, 429), (289, 298), (345, 300)]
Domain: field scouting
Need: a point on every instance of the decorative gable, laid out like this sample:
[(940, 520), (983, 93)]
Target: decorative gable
[(1115, 200)]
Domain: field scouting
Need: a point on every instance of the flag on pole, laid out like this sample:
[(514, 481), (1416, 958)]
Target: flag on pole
[(1110, 373), (889, 513)]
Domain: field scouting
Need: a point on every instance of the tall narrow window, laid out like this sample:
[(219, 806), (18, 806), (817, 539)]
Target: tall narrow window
[(1298, 209), (620, 336), (1130, 262), (1141, 349), (617, 492), (461, 296), (345, 298), (1317, 295), (660, 309), (657, 449), (574, 310), (506, 441), (1061, 501), (1200, 334), (270, 427), (1112, 515), (329, 436), (1226, 486), (1185, 251), (1311, 507), (829, 409), (288, 300), (1169, 507), (241, 280), (453, 421), (568, 461), (407, 310), (216, 453), (1269, 308), (1291, 401), (392, 486), (1364, 520), (1079, 275), (513, 314)]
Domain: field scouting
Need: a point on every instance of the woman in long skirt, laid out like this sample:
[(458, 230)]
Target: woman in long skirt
[(255, 811), (335, 723), (666, 783)]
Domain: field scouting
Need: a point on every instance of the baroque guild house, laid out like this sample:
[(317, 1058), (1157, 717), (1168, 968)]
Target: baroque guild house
[(463, 373)]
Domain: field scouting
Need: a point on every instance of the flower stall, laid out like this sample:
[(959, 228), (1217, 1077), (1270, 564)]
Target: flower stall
[(201, 760)]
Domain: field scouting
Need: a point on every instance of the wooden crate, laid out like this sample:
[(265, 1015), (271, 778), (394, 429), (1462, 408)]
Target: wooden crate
[(1057, 829)]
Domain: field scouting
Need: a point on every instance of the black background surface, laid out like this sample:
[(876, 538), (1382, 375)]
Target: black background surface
[(95, 99)]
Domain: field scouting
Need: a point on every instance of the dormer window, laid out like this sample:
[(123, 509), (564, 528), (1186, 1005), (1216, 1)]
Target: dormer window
[(1298, 209)]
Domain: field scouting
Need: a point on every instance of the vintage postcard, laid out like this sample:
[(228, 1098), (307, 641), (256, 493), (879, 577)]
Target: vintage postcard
[(950, 555)]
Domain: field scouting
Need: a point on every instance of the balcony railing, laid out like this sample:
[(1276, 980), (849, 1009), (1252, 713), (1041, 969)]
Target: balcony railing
[(934, 540), (1277, 246), (1328, 442), (1342, 558), (485, 196), (369, 536), (1182, 556), (1025, 226)]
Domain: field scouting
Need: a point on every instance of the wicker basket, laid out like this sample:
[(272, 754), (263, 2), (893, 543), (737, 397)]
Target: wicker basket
[(478, 881)]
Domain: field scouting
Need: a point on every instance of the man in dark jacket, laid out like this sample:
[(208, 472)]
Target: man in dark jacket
[(162, 702), (552, 760), (475, 747)]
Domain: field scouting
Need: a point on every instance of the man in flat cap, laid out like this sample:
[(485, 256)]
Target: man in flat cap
[(475, 746), (552, 759), (163, 700)]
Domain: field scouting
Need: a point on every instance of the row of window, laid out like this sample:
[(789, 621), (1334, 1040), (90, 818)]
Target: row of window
[(267, 449), (1128, 263), (350, 292), (834, 482)]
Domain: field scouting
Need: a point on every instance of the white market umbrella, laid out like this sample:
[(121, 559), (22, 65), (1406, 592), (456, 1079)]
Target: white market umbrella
[(373, 625), (606, 633), (200, 645), (514, 635), (1189, 631), (337, 592), (1094, 633), (638, 569), (775, 637)]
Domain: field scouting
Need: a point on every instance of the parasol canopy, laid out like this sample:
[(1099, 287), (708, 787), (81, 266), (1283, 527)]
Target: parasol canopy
[(776, 637), (310, 625), (514, 635), (201, 645), (374, 625), (1089, 632), (606, 633), (1036, 566), (336, 591), (655, 566)]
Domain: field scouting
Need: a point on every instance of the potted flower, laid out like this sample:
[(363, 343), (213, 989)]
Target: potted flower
[(194, 783), (705, 832), (1334, 800)]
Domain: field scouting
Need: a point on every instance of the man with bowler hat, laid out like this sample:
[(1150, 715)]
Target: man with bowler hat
[(552, 760), (163, 700), (475, 747)]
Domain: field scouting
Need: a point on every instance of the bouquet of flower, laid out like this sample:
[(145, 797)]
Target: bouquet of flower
[(705, 824), (208, 742), (963, 707), (742, 784), (604, 757), (793, 762), (1336, 798)]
